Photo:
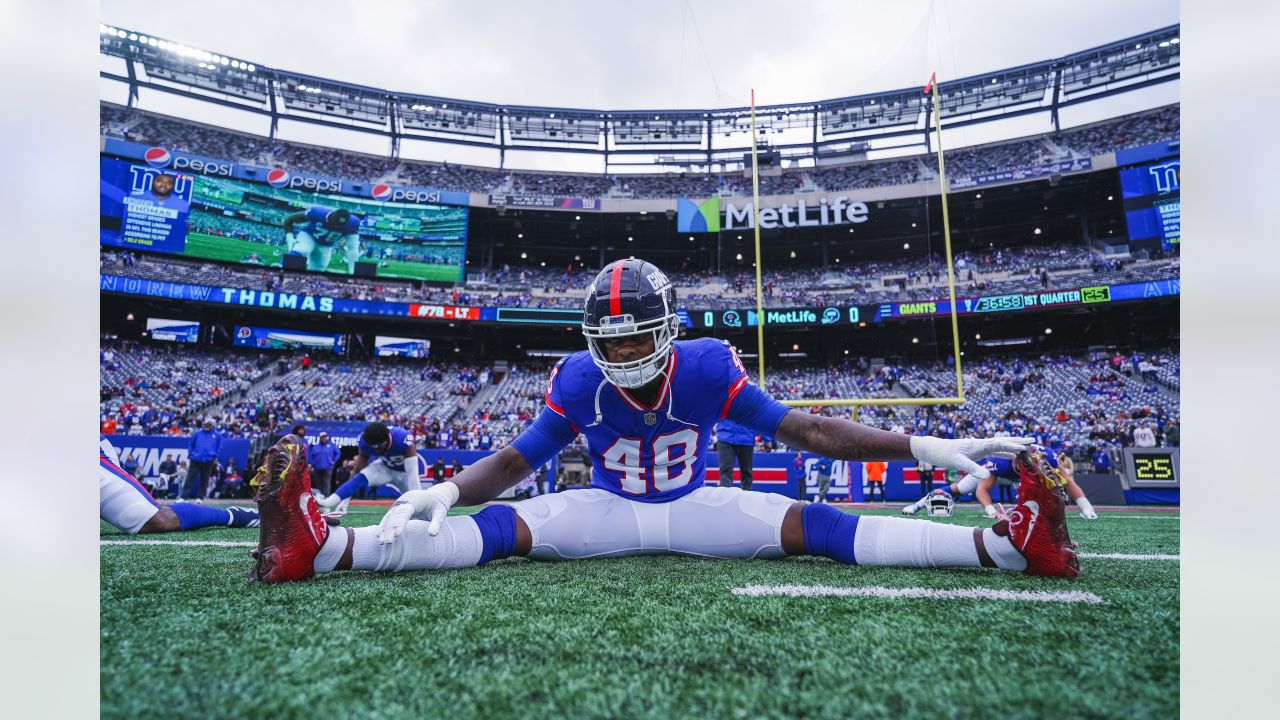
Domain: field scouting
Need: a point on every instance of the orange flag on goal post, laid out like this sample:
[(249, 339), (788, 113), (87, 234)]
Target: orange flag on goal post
[(928, 87)]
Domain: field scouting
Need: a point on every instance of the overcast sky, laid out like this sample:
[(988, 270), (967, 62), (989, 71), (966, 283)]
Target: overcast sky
[(650, 54)]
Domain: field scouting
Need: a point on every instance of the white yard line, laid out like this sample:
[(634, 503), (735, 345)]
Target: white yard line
[(1128, 556), (214, 543), (877, 591)]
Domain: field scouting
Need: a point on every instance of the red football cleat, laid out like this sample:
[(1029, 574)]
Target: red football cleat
[(291, 529), (1038, 524)]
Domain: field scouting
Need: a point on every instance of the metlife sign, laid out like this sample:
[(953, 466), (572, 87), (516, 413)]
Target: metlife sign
[(839, 211)]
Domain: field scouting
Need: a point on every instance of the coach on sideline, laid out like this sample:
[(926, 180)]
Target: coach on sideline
[(203, 450), (735, 442)]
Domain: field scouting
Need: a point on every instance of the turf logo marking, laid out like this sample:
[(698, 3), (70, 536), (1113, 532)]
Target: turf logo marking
[(912, 593)]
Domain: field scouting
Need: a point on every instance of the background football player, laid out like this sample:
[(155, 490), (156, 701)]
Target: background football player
[(123, 502), (387, 461), (1002, 472), (647, 405), (323, 229)]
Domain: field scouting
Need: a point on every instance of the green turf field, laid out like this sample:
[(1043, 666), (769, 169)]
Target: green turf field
[(185, 635), (228, 249)]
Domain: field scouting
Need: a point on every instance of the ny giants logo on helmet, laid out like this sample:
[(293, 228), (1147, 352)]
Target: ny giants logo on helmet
[(278, 178), (157, 157), (380, 192)]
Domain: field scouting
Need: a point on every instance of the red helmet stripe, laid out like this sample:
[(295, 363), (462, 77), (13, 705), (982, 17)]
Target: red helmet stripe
[(615, 290)]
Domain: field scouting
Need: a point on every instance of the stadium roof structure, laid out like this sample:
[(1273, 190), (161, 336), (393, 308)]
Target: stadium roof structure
[(828, 128)]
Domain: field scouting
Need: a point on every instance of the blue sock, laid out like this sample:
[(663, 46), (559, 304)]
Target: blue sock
[(194, 517), (497, 532), (829, 532), (350, 487)]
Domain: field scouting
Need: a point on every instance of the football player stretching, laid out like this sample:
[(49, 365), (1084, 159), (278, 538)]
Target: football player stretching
[(1003, 472), (123, 502), (647, 404)]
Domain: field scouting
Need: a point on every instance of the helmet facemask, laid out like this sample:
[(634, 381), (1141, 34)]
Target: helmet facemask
[(634, 373)]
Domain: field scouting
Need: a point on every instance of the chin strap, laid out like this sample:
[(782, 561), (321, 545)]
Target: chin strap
[(599, 389)]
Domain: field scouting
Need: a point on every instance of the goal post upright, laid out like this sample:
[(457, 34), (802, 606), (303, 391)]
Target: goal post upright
[(755, 223), (857, 403)]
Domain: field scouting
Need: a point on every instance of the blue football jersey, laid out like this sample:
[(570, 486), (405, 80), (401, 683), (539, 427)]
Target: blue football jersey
[(401, 441), (653, 453), (1003, 470), (316, 228)]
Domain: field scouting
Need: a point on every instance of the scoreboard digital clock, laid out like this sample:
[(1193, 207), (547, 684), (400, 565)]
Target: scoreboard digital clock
[(1152, 467)]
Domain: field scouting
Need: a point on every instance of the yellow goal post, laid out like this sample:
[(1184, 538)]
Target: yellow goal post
[(857, 403)]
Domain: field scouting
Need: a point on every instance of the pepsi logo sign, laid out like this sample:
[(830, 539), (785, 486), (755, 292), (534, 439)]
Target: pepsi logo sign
[(380, 192), (157, 157), (278, 178)]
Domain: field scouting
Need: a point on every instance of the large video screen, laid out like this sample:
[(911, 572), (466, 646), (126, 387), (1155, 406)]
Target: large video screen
[(217, 218), (278, 339), (1153, 202), (185, 331), (387, 346)]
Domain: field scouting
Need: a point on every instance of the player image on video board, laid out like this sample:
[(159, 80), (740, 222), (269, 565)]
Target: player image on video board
[(232, 220)]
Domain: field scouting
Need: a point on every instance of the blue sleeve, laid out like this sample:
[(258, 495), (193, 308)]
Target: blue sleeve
[(544, 439), (752, 408), (317, 214)]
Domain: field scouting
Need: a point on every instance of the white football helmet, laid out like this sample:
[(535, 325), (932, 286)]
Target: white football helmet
[(940, 504)]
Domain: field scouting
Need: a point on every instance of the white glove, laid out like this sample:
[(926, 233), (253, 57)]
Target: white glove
[(431, 505), (961, 454)]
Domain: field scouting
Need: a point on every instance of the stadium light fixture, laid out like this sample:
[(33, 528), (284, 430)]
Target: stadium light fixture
[(544, 263), (129, 317), (977, 336), (795, 347), (444, 106), (102, 28), (1110, 198), (906, 246), (1138, 46), (1175, 41), (551, 116), (629, 239), (519, 236), (133, 36), (576, 258), (793, 254), (253, 68), (915, 341), (1164, 44), (1037, 231), (978, 196), (846, 352), (524, 256), (143, 39), (913, 224), (1048, 331), (577, 217), (739, 256), (690, 238)]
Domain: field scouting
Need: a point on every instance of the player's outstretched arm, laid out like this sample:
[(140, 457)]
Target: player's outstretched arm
[(293, 220), (848, 440), (481, 482)]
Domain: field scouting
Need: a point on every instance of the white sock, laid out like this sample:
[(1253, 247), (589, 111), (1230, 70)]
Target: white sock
[(1083, 503), (1002, 551), (913, 543), (331, 552), (458, 545)]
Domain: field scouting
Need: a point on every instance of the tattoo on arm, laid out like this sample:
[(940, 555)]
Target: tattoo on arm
[(842, 439), (485, 479)]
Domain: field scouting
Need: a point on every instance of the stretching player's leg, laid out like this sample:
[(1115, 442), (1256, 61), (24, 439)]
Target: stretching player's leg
[(1033, 538), (125, 503), (319, 257), (1086, 508), (352, 252)]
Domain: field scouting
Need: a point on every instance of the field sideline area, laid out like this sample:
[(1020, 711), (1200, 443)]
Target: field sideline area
[(184, 634)]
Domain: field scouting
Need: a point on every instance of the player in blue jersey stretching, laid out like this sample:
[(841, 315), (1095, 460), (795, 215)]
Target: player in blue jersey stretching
[(387, 462), (647, 404), (314, 233), (1002, 472), (123, 502)]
